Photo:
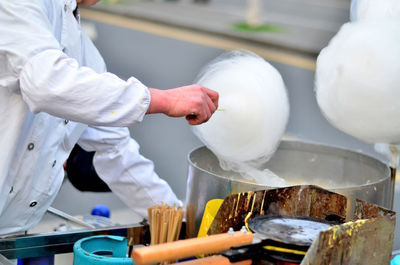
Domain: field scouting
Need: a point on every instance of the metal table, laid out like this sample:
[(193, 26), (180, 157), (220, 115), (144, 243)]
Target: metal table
[(39, 245)]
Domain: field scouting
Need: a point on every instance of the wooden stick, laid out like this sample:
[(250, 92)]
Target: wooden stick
[(149, 210), (161, 226), (190, 247), (157, 227), (165, 223), (171, 235), (179, 224), (153, 227), (164, 233), (170, 223)]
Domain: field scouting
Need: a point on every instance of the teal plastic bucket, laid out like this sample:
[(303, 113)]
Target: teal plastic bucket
[(101, 250)]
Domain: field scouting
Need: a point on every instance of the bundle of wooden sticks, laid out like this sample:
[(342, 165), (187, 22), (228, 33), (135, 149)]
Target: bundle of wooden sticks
[(165, 223)]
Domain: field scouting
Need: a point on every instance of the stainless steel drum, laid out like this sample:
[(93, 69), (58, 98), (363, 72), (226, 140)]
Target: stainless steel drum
[(343, 171)]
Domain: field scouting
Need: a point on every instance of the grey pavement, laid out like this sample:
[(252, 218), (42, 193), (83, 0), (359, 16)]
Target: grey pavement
[(305, 26)]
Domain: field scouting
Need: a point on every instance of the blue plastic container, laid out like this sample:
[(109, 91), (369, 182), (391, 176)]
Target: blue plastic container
[(101, 250), (395, 260), (101, 210)]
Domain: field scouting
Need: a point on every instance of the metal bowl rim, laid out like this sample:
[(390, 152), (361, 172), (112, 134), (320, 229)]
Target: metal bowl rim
[(305, 143)]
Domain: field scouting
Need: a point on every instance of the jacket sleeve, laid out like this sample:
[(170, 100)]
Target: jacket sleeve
[(128, 174), (34, 65), (54, 83)]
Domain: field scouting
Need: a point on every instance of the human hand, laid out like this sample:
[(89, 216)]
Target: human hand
[(194, 102)]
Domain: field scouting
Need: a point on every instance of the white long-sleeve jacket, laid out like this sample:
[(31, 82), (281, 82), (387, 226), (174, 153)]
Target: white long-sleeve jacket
[(52, 83)]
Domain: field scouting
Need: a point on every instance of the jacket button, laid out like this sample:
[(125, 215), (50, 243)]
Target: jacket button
[(66, 121), (54, 163), (65, 8), (30, 146), (33, 204), (12, 189)]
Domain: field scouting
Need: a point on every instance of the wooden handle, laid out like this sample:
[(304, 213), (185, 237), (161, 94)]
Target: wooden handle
[(214, 260), (190, 247)]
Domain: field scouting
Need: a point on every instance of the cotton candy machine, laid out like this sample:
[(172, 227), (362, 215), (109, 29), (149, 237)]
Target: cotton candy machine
[(352, 174), (300, 224)]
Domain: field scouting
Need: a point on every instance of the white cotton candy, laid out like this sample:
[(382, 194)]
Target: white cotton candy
[(358, 81), (369, 10), (253, 113), (391, 152)]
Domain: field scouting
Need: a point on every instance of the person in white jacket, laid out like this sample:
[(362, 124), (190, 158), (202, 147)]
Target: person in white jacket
[(55, 92)]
